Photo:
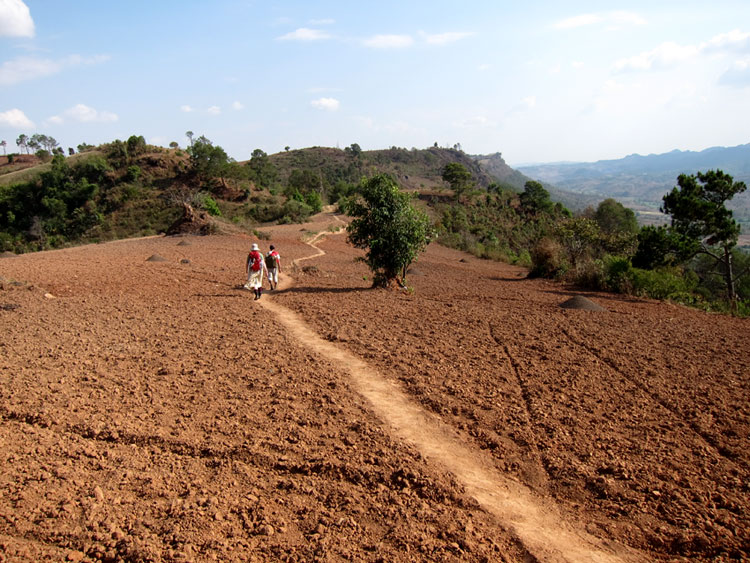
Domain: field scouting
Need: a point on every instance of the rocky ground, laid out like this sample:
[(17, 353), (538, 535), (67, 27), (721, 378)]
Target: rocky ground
[(150, 410)]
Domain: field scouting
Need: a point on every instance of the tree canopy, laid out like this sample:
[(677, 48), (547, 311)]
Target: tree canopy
[(457, 176), (613, 217), (387, 227), (535, 199), (699, 216)]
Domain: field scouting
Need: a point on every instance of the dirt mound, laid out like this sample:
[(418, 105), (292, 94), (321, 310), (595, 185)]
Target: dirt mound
[(156, 258), (581, 303)]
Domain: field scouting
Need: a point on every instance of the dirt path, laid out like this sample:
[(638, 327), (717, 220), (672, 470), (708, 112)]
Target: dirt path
[(536, 522)]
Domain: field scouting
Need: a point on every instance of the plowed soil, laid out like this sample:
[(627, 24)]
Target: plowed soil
[(151, 410)]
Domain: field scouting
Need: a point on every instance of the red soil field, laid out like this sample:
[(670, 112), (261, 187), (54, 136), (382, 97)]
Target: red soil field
[(151, 410)]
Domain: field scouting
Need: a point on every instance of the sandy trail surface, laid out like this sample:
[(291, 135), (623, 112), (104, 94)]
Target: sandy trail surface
[(152, 411)]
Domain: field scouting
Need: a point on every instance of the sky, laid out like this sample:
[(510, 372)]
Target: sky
[(538, 81)]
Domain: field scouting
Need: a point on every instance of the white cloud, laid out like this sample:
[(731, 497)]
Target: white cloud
[(612, 19), (323, 21), (529, 102), (15, 19), (484, 67), (214, 110), (628, 18), (305, 34), (15, 118), (476, 122), (389, 41), (578, 21), (734, 40), (737, 75), (665, 55), (670, 54), (445, 38), (28, 68), (186, 108), (82, 113), (328, 104), (237, 106)]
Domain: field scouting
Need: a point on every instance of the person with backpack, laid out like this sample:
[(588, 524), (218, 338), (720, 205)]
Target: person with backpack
[(273, 265), (256, 268)]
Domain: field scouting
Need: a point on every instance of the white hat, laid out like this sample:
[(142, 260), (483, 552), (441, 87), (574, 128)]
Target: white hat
[(254, 246)]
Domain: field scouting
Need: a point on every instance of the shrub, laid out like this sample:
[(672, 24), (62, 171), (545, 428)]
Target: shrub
[(617, 274), (660, 284), (548, 259), (589, 274), (210, 205)]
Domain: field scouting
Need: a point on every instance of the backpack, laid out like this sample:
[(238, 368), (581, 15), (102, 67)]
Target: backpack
[(271, 260), (256, 258)]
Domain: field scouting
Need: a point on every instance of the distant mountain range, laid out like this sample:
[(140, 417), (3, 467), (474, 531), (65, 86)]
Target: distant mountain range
[(640, 182)]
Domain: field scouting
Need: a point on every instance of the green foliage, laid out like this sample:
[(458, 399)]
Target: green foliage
[(314, 201), (661, 284), (262, 170), (206, 202), (698, 211), (697, 207), (206, 160), (578, 236), (457, 176), (613, 217), (390, 230), (133, 173), (660, 246), (136, 145), (535, 199)]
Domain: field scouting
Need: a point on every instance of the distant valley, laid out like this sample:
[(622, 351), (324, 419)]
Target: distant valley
[(640, 182)]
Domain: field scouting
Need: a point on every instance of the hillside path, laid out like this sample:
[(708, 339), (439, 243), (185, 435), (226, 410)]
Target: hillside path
[(537, 522)]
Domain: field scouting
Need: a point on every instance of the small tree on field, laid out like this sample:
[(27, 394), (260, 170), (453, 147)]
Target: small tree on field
[(388, 228), (700, 217)]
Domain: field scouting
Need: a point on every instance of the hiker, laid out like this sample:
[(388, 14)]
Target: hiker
[(273, 265), (255, 267)]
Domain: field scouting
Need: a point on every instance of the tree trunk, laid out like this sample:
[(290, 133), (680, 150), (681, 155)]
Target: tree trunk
[(729, 278)]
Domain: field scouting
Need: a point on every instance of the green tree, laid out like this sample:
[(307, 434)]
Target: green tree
[(206, 160), (660, 246), (263, 171), (699, 215), (613, 217), (353, 150), (136, 145), (458, 177), (23, 142), (578, 237), (535, 199), (390, 230), (304, 182)]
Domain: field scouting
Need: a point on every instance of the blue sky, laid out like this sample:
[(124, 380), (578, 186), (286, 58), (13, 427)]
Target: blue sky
[(538, 81)]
